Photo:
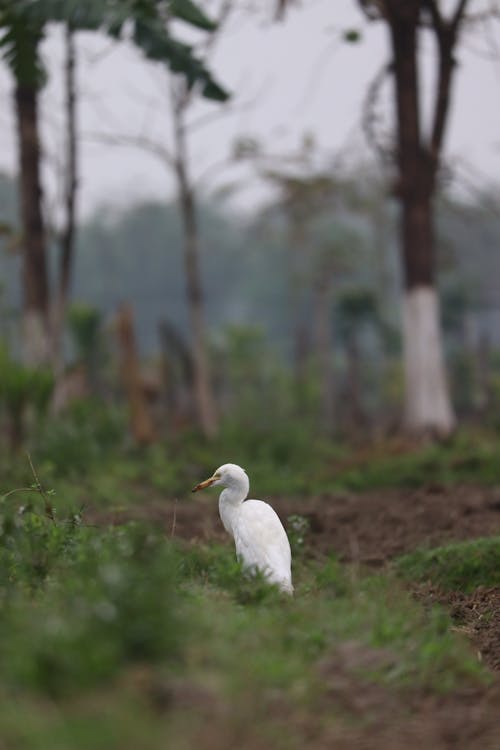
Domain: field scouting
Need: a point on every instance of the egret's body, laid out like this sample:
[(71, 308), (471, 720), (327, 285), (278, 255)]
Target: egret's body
[(259, 537)]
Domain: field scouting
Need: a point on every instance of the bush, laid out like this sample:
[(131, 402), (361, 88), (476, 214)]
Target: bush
[(103, 599), (85, 435)]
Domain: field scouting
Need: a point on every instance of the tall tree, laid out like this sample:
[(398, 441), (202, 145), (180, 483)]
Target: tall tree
[(418, 156), (67, 237), (22, 25), (19, 44), (177, 161), (203, 390)]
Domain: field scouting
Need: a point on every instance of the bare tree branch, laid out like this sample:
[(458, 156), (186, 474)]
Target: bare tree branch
[(446, 34), (213, 169), (136, 141), (227, 6), (458, 14), (369, 116), (373, 9), (442, 24), (230, 108), (492, 12), (437, 19)]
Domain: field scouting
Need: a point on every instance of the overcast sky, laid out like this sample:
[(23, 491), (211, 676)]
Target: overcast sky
[(288, 78)]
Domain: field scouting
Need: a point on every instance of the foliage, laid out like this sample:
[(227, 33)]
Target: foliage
[(462, 566), (20, 34), (84, 437), (109, 623), (89, 443), (22, 26), (470, 456), (355, 307), (298, 528), (22, 387), (83, 323), (103, 599)]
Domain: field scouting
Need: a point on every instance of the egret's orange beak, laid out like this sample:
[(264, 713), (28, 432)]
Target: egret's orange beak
[(202, 485)]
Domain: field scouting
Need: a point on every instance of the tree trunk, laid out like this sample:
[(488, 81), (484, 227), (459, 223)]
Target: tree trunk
[(68, 234), (36, 342), (298, 295), (427, 399), (323, 345), (203, 391), (140, 418), (427, 396), (355, 415), (177, 376)]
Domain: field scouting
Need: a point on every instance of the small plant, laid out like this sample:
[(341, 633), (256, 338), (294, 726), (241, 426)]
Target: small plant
[(22, 387), (84, 324), (298, 528), (103, 598)]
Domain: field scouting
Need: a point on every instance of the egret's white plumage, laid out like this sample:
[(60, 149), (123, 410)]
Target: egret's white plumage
[(260, 539)]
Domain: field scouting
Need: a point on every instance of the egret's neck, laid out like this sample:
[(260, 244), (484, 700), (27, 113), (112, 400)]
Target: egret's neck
[(230, 500)]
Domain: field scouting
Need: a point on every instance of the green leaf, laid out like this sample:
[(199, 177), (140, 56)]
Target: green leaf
[(22, 25), (213, 91), (187, 11), (351, 36)]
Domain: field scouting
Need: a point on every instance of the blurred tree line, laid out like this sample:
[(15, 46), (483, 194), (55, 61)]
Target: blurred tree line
[(311, 289), (288, 335)]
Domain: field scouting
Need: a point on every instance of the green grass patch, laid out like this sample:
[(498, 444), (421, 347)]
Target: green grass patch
[(96, 623), (467, 457), (87, 454), (462, 566)]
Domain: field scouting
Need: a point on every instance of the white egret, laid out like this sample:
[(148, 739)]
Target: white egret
[(260, 539)]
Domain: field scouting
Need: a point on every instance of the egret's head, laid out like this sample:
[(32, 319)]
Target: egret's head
[(227, 475)]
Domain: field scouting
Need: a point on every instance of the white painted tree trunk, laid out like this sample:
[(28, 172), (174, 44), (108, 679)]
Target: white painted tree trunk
[(428, 406), (36, 340)]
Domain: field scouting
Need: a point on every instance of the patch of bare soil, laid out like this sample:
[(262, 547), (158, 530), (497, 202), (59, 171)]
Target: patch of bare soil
[(374, 527), (462, 721), (370, 529), (476, 615)]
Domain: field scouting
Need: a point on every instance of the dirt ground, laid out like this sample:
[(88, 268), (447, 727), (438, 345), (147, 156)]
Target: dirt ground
[(371, 529)]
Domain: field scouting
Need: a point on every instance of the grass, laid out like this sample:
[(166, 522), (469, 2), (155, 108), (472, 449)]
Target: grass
[(124, 638), (99, 627), (92, 467), (461, 566)]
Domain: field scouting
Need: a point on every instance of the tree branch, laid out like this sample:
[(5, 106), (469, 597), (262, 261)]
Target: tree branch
[(458, 14), (437, 19), (213, 169), (446, 34), (368, 114), (374, 10), (136, 141), (230, 108)]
